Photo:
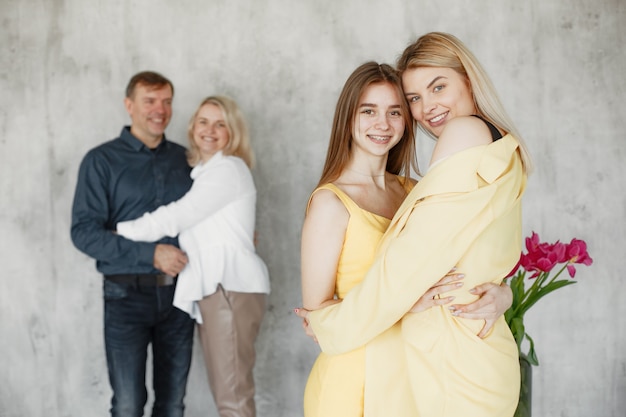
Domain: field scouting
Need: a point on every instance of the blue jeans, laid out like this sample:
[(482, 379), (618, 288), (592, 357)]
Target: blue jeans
[(134, 317)]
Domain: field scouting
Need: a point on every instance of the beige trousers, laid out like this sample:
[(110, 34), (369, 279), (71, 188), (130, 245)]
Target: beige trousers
[(231, 322)]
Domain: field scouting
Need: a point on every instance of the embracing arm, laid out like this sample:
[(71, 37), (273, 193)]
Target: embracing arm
[(210, 192), (494, 301), (323, 234)]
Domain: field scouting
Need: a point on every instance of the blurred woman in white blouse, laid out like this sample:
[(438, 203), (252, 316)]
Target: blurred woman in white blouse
[(225, 284)]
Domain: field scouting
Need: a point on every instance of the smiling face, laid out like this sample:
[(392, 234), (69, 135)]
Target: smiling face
[(437, 95), (379, 123), (150, 109), (210, 131)]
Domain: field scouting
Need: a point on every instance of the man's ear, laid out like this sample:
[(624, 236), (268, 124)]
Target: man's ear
[(128, 104)]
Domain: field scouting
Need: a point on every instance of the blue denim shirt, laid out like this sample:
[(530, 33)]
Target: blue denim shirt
[(121, 180)]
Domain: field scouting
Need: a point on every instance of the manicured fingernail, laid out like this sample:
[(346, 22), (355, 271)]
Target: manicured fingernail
[(295, 310), (459, 284), (473, 290), (460, 276), (452, 308), (456, 312)]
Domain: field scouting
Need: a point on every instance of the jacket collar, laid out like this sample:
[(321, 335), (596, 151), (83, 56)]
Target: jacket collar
[(458, 173)]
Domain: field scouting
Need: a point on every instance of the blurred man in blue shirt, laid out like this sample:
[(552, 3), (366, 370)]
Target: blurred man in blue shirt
[(121, 180)]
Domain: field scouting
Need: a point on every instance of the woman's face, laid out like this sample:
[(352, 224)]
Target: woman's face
[(379, 123), (210, 132), (437, 95)]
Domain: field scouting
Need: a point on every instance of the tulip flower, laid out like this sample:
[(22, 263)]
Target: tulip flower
[(539, 260)]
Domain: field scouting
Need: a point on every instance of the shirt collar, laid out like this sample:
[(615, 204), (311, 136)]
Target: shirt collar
[(135, 143)]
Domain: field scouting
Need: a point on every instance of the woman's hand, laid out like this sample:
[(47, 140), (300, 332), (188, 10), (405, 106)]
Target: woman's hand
[(494, 300), (430, 298), (304, 315)]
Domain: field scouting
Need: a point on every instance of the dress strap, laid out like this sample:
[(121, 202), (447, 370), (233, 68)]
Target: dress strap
[(495, 133), (345, 199)]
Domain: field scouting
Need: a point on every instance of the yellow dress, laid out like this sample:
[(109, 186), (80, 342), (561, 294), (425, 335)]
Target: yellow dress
[(336, 382), (466, 212)]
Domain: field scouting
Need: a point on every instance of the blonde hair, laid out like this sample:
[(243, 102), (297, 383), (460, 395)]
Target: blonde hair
[(401, 157), (239, 139), (437, 49)]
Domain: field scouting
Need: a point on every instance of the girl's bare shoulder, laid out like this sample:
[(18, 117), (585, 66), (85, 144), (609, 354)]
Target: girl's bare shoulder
[(461, 133)]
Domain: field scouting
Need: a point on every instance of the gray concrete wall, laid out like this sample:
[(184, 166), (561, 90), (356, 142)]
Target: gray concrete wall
[(559, 65)]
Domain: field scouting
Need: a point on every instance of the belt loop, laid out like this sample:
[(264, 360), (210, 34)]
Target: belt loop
[(136, 285)]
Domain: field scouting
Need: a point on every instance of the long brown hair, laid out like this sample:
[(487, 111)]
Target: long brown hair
[(401, 157), (438, 49)]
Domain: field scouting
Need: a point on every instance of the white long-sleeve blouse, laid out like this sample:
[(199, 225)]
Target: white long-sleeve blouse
[(215, 222)]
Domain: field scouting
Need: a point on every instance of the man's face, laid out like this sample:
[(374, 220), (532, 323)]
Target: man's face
[(150, 109)]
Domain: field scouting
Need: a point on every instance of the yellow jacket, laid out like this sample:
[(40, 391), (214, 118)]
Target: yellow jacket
[(465, 212)]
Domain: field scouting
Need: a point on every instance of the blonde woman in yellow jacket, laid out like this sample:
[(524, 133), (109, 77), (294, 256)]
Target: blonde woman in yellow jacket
[(465, 212)]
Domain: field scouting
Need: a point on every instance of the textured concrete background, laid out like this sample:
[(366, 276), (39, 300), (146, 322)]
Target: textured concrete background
[(558, 64)]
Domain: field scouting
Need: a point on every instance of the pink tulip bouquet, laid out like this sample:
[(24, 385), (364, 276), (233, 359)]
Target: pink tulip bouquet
[(531, 279)]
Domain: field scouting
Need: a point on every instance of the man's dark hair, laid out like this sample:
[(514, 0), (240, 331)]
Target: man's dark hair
[(147, 78)]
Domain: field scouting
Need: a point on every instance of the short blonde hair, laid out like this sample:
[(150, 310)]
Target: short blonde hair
[(438, 49), (239, 138)]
